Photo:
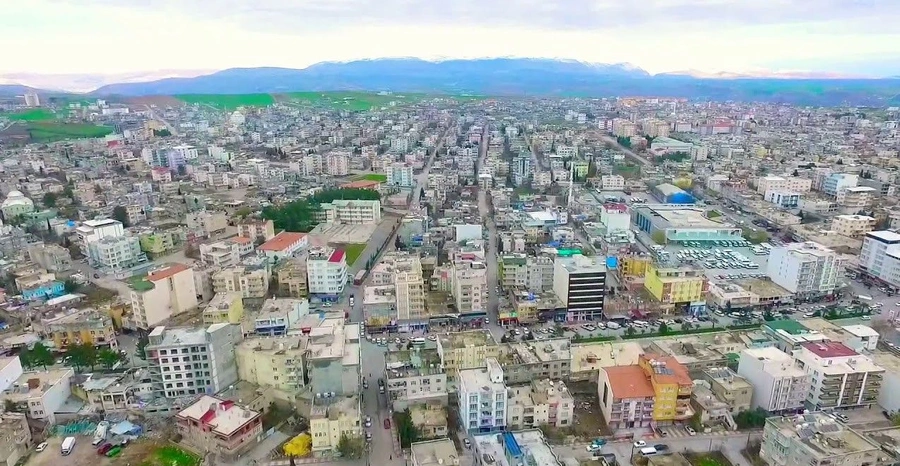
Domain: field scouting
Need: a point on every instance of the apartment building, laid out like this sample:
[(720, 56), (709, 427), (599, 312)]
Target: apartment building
[(291, 278), (226, 253), (272, 362), (466, 350), (482, 398), (783, 199), (213, 424), (543, 402), (612, 183), (521, 272), (284, 245), (94, 230), (278, 316), (730, 387), (544, 359), (793, 184), (855, 199), (80, 326), (251, 282), (40, 394), (51, 257), (778, 385), (815, 439), (415, 377), (841, 377), (404, 272), (626, 397), (805, 269), (326, 270), (227, 308), (162, 293), (257, 230), (677, 286), (337, 164), (16, 438), (351, 212), (205, 224), (671, 386), (333, 354), (837, 182), (469, 285), (331, 417), (400, 174), (853, 226), (192, 361), (879, 257), (580, 283), (115, 252)]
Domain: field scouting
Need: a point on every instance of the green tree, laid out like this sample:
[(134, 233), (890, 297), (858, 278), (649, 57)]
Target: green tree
[(663, 328), (71, 286), (630, 331), (407, 431), (751, 419), (686, 326), (141, 348), (82, 355), (108, 357), (69, 192), (50, 199), (351, 448), (119, 213), (658, 237), (37, 356)]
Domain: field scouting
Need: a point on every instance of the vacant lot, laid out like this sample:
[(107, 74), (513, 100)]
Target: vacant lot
[(37, 114), (228, 101), (48, 131), (353, 251)]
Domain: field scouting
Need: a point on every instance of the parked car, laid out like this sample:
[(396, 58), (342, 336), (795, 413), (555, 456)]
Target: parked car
[(467, 442), (387, 423), (640, 444), (661, 447), (690, 430), (43, 446)]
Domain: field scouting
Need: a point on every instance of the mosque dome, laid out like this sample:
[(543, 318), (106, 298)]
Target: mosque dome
[(16, 198)]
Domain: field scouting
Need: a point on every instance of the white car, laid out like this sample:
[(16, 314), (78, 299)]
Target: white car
[(368, 421), (690, 430), (41, 447), (640, 444)]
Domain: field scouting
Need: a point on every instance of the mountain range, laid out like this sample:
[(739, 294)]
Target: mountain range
[(512, 77)]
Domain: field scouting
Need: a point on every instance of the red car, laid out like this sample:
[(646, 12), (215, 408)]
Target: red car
[(104, 448), (387, 423)]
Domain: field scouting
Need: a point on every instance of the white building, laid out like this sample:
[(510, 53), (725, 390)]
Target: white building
[(352, 212), (612, 183), (778, 385), (841, 377), (880, 256), (41, 393), (805, 268), (186, 152), (193, 361), (815, 439), (482, 398), (615, 217), (93, 230), (326, 271), (400, 174), (284, 245), (161, 294), (469, 286), (227, 253), (783, 199), (337, 164), (794, 184), (116, 253), (415, 378)]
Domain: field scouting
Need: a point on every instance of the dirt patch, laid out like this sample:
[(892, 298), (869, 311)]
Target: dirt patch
[(161, 101)]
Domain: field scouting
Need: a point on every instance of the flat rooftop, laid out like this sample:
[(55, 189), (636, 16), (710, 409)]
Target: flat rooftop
[(593, 356), (467, 339), (412, 363), (680, 216), (223, 416), (439, 452), (35, 384), (540, 351), (822, 435)]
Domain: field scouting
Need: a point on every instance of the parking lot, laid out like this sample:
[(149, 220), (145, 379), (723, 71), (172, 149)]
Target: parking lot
[(722, 260)]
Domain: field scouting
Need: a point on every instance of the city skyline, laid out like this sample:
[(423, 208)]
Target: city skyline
[(709, 36)]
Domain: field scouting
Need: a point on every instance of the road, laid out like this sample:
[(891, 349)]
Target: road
[(385, 449), (493, 301), (156, 117), (612, 142)]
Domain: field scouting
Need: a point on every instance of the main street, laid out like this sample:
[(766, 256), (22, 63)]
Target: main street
[(612, 142), (493, 301)]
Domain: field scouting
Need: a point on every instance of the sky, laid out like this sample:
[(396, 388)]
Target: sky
[(854, 37)]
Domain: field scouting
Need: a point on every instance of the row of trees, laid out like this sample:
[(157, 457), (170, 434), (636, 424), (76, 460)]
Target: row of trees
[(80, 356), (300, 215)]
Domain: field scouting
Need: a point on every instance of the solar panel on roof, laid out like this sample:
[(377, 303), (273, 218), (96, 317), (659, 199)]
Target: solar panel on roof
[(806, 432)]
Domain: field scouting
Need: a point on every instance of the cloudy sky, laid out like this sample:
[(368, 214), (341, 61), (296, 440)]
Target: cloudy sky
[(121, 36)]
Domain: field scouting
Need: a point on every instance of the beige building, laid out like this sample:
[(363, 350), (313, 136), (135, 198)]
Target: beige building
[(857, 198), (588, 359), (162, 293), (250, 282), (466, 350), (332, 417), (469, 285), (355, 212), (257, 230), (15, 438), (730, 388), (543, 402), (414, 376), (404, 271), (275, 362), (434, 453), (212, 424), (853, 226), (524, 362), (291, 278), (205, 224), (430, 420), (815, 439), (778, 183)]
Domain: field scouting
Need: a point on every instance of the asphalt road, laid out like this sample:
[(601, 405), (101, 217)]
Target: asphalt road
[(493, 301), (612, 142)]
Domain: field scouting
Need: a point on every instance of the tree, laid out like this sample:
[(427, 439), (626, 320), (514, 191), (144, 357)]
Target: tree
[(630, 331), (298, 446), (351, 447), (71, 286), (658, 237), (119, 213), (38, 356), (663, 328), (69, 192), (141, 347), (108, 358), (243, 212), (686, 326), (82, 355), (50, 199), (407, 431), (751, 419)]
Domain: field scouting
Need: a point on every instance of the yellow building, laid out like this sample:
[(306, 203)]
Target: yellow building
[(332, 417), (676, 285), (291, 276), (672, 387), (272, 362), (466, 350), (158, 243), (636, 266), (79, 327), (224, 308)]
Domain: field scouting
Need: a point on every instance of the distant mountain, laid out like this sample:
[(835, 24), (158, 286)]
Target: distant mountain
[(517, 77), (10, 90), (89, 82), (761, 74)]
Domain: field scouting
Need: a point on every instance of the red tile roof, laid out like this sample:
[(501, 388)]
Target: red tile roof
[(167, 272), (829, 349), (336, 256), (628, 382), (281, 241)]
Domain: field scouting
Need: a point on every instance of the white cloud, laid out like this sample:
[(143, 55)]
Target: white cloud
[(44, 36)]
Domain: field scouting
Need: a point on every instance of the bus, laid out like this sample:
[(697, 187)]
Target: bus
[(417, 341), (359, 277)]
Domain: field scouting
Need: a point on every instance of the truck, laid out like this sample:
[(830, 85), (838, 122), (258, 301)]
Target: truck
[(612, 325), (67, 446), (100, 433)]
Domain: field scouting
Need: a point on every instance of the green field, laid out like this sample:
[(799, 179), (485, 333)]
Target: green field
[(353, 251), (48, 131), (228, 101), (372, 177), (171, 456), (37, 114)]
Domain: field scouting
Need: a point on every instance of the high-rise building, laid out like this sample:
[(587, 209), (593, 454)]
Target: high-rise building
[(32, 99), (580, 283), (160, 294), (778, 384), (482, 398), (880, 257), (326, 270), (805, 269), (841, 377), (400, 174), (186, 362)]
